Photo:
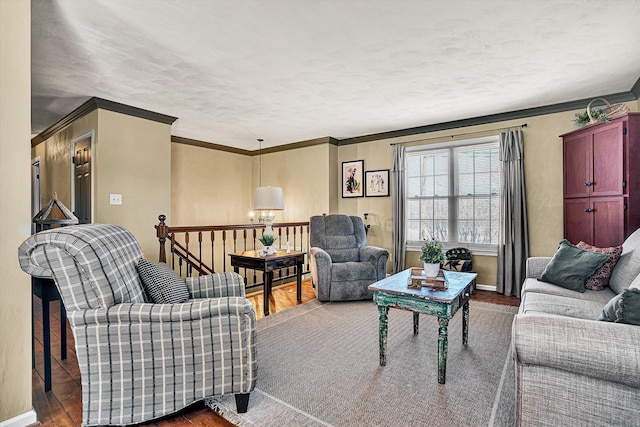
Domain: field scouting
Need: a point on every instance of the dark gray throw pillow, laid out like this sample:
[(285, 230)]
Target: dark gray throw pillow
[(162, 283), (571, 266), (623, 308)]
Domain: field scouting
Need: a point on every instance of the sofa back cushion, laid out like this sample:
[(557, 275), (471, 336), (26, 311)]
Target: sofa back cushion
[(628, 266), (341, 236)]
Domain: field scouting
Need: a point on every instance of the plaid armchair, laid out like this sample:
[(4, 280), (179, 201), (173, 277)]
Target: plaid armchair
[(138, 360)]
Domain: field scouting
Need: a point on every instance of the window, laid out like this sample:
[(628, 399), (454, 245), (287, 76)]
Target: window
[(453, 194)]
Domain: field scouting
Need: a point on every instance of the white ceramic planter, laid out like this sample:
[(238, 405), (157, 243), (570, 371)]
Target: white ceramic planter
[(431, 270)]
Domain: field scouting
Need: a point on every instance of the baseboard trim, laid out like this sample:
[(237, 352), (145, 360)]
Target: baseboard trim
[(486, 288), (22, 420)]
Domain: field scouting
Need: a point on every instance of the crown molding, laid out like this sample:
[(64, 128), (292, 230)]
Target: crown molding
[(209, 145), (276, 149), (93, 104), (296, 145), (493, 118), (635, 89)]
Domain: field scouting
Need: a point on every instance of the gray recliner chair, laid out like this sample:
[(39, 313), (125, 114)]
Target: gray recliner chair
[(342, 265)]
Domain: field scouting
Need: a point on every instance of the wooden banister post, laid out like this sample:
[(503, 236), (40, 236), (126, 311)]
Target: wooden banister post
[(162, 231)]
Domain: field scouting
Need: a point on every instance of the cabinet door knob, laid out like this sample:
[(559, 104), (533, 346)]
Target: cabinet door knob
[(588, 210), (588, 184)]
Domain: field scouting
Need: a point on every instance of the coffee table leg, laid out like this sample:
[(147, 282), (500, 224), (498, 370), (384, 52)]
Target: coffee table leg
[(465, 323), (416, 322), (442, 349), (384, 311)]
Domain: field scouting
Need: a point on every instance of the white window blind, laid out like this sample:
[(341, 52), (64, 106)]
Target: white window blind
[(453, 195)]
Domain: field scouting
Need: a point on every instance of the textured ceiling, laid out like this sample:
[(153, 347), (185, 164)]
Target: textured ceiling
[(293, 70)]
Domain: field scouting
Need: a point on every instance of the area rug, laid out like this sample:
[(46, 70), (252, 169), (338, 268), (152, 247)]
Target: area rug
[(318, 365)]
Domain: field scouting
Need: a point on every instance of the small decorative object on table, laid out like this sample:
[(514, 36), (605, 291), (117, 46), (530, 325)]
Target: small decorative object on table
[(267, 240), (432, 256), (418, 279)]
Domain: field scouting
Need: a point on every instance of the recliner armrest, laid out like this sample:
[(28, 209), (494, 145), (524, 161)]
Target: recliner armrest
[(377, 257), (320, 266)]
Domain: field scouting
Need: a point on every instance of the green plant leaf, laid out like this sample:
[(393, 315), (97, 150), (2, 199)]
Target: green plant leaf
[(432, 252)]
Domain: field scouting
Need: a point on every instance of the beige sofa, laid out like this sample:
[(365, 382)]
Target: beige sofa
[(572, 370)]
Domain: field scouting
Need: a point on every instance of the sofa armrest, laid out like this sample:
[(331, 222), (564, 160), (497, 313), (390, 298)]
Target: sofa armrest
[(597, 349), (228, 284), (376, 256), (535, 266)]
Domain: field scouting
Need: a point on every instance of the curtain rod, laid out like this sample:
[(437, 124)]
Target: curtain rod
[(524, 125)]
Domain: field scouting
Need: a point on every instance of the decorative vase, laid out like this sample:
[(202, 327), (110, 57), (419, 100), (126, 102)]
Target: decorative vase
[(431, 270), (270, 250)]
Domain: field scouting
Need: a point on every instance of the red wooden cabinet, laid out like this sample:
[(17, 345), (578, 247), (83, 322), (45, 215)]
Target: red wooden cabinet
[(595, 220), (602, 181)]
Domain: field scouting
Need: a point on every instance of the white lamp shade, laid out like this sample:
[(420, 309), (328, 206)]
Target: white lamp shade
[(268, 199)]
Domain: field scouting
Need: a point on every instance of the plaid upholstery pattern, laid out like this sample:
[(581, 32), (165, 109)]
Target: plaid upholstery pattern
[(99, 257), (140, 361)]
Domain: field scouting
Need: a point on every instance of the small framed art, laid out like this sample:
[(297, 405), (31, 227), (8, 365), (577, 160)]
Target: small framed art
[(376, 183), (352, 178)]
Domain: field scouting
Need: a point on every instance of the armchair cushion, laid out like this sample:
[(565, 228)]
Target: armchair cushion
[(162, 283)]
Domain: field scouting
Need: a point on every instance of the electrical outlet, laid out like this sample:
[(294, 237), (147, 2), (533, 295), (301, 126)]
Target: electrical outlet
[(115, 199)]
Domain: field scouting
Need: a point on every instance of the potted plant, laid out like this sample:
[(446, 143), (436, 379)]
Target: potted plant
[(267, 241), (432, 256)]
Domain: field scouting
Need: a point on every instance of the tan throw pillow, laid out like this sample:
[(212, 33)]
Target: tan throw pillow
[(600, 279)]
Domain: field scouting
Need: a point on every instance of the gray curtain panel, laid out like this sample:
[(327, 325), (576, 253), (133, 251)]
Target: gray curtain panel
[(397, 205), (513, 242)]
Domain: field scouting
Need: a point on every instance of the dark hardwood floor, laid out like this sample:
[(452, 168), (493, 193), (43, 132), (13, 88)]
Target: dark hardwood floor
[(62, 406)]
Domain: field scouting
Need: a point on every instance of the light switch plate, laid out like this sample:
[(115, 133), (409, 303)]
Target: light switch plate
[(115, 199)]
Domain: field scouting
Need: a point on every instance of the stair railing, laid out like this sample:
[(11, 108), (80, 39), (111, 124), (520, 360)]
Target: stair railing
[(200, 250)]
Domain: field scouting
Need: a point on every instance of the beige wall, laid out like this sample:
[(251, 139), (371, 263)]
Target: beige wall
[(209, 187), (15, 218), (310, 178), (131, 157), (55, 159), (543, 174), (305, 175)]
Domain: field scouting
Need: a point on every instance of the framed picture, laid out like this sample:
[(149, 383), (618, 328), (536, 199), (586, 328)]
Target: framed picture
[(377, 183), (352, 178)]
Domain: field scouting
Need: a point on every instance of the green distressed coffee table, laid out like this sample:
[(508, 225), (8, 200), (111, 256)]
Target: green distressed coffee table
[(394, 292)]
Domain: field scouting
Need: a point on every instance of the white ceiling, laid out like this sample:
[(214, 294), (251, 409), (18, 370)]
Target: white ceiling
[(293, 70)]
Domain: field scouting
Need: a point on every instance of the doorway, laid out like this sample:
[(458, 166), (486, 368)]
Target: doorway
[(82, 181)]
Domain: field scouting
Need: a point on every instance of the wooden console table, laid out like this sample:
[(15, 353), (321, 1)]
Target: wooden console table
[(267, 264), (46, 290)]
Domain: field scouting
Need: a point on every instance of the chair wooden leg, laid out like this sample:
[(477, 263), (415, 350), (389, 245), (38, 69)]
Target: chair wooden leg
[(242, 402)]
